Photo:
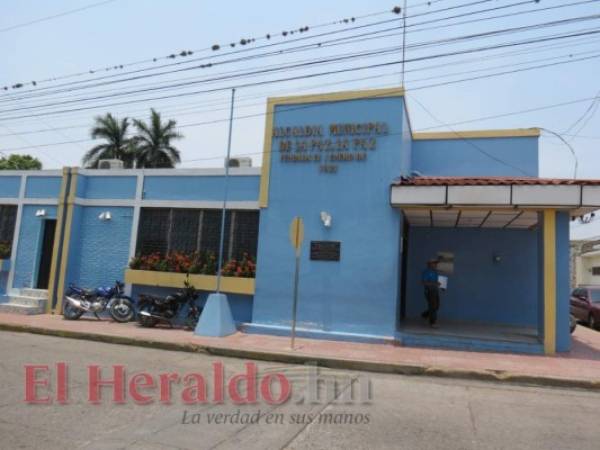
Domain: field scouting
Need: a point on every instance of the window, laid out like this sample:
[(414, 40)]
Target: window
[(166, 230), (596, 270), (595, 295), (8, 217)]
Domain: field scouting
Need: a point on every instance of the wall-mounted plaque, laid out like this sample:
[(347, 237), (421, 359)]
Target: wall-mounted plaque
[(325, 250)]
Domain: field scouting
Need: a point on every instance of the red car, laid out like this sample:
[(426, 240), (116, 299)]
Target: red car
[(585, 305)]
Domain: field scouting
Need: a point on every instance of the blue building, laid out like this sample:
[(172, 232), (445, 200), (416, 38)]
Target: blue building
[(377, 201)]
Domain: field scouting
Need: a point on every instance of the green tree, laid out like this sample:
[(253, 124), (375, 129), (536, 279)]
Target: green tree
[(117, 145), (153, 148), (20, 162)]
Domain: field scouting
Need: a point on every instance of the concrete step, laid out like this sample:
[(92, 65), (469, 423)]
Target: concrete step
[(37, 293), (27, 301), (13, 308)]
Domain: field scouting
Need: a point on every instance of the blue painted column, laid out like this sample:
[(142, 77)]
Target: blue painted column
[(563, 336)]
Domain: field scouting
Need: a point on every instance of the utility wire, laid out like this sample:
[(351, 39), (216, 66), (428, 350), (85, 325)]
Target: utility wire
[(312, 106), (55, 16), (436, 66), (259, 83), (571, 149), (305, 47), (213, 47), (196, 110), (263, 71), (19, 85)]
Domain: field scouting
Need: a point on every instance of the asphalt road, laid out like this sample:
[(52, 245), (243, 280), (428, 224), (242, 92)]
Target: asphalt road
[(349, 410)]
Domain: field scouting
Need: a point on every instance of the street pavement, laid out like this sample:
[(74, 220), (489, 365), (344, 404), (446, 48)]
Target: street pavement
[(365, 410)]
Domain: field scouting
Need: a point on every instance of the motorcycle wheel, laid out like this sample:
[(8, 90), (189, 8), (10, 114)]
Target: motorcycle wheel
[(146, 321), (122, 310), (192, 320), (70, 312)]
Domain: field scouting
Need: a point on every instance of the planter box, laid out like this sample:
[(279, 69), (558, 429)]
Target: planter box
[(232, 285), (4, 265)]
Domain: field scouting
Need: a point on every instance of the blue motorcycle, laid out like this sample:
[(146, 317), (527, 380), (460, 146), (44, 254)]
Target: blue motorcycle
[(79, 301)]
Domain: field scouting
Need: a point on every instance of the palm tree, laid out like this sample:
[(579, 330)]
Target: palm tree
[(153, 147), (117, 145)]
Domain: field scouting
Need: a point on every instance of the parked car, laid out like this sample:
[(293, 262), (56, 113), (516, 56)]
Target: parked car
[(585, 305)]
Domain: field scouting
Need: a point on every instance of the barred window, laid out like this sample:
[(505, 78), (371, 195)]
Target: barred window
[(166, 230), (8, 217)]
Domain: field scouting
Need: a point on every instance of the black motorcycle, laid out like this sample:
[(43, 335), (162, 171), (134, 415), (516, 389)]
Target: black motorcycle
[(153, 309), (79, 301)]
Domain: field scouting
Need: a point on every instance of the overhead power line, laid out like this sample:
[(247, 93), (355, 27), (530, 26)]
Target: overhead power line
[(246, 41), (208, 107), (416, 45), (374, 96), (55, 16), (534, 49), (426, 44), (177, 95)]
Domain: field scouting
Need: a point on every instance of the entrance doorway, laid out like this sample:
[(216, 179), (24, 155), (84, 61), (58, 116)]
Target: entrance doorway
[(46, 254)]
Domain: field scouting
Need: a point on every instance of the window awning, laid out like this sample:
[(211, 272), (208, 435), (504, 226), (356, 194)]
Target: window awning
[(490, 202)]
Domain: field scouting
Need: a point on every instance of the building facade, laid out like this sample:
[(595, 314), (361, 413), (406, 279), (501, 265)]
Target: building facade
[(377, 201), (585, 262)]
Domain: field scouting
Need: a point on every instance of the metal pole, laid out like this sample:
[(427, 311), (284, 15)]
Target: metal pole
[(225, 193), (403, 39), (295, 306)]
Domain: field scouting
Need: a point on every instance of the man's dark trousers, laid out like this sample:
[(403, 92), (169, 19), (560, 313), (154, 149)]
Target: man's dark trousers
[(432, 295)]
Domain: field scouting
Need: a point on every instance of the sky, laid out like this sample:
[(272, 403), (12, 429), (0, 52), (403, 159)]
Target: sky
[(125, 31)]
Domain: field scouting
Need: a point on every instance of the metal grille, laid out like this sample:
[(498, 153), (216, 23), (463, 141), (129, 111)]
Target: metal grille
[(245, 234), (164, 230), (8, 217), (183, 236), (153, 232)]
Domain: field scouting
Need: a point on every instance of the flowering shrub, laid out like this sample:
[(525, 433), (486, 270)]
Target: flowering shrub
[(204, 263), (245, 267), (5, 249)]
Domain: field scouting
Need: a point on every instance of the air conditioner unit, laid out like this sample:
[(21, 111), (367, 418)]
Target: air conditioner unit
[(110, 164), (240, 162)]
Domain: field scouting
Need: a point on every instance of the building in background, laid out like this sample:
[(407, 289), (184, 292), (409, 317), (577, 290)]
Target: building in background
[(585, 262)]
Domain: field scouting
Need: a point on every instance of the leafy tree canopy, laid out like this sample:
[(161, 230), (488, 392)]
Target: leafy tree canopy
[(153, 147), (20, 162), (150, 147), (116, 144)]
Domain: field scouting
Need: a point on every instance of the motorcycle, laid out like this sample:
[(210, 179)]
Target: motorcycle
[(79, 301), (154, 309)]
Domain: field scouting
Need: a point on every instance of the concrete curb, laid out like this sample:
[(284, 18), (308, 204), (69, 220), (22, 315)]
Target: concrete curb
[(329, 362)]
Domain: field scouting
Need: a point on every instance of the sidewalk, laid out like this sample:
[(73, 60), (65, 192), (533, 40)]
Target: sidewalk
[(578, 368)]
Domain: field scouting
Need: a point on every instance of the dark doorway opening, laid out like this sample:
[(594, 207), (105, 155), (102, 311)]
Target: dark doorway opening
[(403, 271), (46, 254)]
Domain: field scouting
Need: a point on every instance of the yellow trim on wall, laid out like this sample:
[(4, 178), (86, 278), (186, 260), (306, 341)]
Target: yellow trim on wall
[(549, 231), (265, 170), (64, 259), (57, 233), (338, 96), (263, 199), (232, 285), (476, 134)]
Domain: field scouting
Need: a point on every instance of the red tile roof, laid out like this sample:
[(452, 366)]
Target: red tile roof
[(490, 181)]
